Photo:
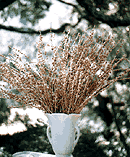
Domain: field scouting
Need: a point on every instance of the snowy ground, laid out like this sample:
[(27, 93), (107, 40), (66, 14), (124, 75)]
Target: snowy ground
[(33, 114)]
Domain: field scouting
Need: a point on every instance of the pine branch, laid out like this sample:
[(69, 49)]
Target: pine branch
[(92, 15), (32, 31), (122, 138)]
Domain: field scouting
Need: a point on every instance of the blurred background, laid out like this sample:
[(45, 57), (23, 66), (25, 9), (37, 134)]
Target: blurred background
[(105, 121)]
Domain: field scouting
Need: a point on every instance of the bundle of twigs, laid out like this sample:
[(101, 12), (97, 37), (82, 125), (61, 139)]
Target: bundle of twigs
[(77, 81)]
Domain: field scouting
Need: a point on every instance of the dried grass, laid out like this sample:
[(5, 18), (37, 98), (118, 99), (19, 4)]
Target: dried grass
[(77, 81)]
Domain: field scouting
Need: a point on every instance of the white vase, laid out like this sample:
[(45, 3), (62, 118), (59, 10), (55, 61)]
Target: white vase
[(63, 130)]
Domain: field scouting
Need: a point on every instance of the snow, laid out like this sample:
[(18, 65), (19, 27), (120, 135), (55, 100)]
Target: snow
[(18, 126)]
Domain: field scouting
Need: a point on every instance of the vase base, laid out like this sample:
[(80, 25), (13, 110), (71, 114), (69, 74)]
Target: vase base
[(64, 155)]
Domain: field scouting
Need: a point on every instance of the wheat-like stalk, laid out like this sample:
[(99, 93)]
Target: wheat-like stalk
[(77, 81)]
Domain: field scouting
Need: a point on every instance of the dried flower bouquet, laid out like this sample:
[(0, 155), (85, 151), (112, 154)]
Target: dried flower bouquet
[(77, 81)]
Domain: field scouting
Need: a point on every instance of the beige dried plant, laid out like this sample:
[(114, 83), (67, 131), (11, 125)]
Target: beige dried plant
[(77, 81)]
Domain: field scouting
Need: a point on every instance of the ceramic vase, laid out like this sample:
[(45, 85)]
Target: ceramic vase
[(63, 133)]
